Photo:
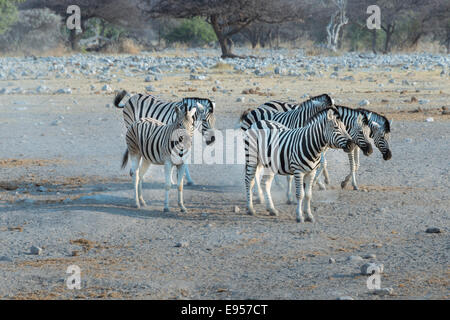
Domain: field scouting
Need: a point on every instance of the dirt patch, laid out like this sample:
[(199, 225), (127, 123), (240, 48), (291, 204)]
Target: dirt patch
[(12, 163)]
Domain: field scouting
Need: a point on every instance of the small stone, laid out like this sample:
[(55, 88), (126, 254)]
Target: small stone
[(371, 268), (182, 244), (150, 88), (240, 99), (370, 256), (433, 230), (236, 209), (5, 259), (429, 119), (108, 105), (64, 91), (364, 102), (148, 79), (42, 189), (354, 259), (106, 88), (345, 298), (424, 101), (35, 250), (331, 260), (383, 291)]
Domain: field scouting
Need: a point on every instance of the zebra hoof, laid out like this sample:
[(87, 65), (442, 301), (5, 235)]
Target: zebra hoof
[(183, 209), (322, 187), (251, 212), (166, 210), (289, 201), (273, 213), (137, 206), (309, 219), (327, 182), (190, 183), (355, 188), (343, 184), (299, 220)]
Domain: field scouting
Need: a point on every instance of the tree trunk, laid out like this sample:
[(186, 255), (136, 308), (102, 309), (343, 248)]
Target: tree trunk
[(374, 41), (389, 31), (74, 39)]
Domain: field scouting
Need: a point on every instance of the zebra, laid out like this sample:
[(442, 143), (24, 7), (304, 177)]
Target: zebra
[(291, 115), (356, 125), (150, 141), (380, 128), (147, 106), (291, 152), (379, 131)]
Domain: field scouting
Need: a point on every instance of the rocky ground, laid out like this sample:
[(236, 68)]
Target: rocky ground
[(62, 190)]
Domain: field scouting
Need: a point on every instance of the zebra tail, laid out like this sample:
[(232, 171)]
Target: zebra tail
[(125, 159), (118, 99)]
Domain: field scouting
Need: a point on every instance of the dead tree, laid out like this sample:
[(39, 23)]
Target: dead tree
[(337, 21)]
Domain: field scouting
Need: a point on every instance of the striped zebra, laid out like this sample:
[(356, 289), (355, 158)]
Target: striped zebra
[(150, 141), (291, 152), (380, 128), (379, 131), (147, 106), (356, 125), (291, 115)]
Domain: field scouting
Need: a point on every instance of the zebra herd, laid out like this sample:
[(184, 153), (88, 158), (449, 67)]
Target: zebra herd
[(279, 138)]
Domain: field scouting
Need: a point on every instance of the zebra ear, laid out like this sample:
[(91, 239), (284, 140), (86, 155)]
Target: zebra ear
[(200, 107), (359, 119), (369, 115), (178, 111), (330, 114), (191, 112)]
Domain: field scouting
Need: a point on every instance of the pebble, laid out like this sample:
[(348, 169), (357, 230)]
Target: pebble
[(5, 259), (64, 91), (331, 260), (384, 291), (236, 209), (107, 88), (240, 99), (354, 259), (345, 298), (35, 250), (42, 189), (429, 119), (433, 230), (364, 102), (370, 268), (370, 256), (182, 244)]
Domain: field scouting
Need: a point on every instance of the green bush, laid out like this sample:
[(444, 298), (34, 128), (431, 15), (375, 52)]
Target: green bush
[(8, 14), (195, 31)]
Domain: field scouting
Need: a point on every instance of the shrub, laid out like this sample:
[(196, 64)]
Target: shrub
[(195, 31)]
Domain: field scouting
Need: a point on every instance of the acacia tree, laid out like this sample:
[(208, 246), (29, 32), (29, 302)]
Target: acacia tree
[(228, 17), (337, 21)]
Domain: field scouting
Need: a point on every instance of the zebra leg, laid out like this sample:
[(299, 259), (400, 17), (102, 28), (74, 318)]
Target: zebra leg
[(168, 173), (134, 172), (299, 193), (352, 166), (249, 182), (322, 168), (289, 197), (180, 171), (190, 182), (267, 183), (308, 194), (258, 184), (325, 171), (142, 170), (355, 168)]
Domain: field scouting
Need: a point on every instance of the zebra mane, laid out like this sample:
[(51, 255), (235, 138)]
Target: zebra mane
[(365, 120), (320, 98), (209, 106), (245, 113), (321, 113), (379, 118)]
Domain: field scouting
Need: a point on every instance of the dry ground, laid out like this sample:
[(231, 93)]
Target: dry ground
[(85, 217)]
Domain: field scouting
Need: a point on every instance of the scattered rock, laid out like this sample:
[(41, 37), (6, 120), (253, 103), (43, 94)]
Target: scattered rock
[(107, 88), (354, 259), (383, 291), (370, 256), (331, 260), (42, 189), (197, 77), (345, 298), (35, 250), (364, 103), (5, 259), (429, 119), (64, 91), (371, 268), (236, 209), (424, 101), (433, 230), (182, 244), (240, 99)]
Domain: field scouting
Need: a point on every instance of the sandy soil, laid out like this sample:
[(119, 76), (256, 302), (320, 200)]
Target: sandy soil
[(61, 188)]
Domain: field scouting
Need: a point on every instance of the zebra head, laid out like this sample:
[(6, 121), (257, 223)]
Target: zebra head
[(184, 126), (359, 130), (380, 129), (204, 116), (335, 133)]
